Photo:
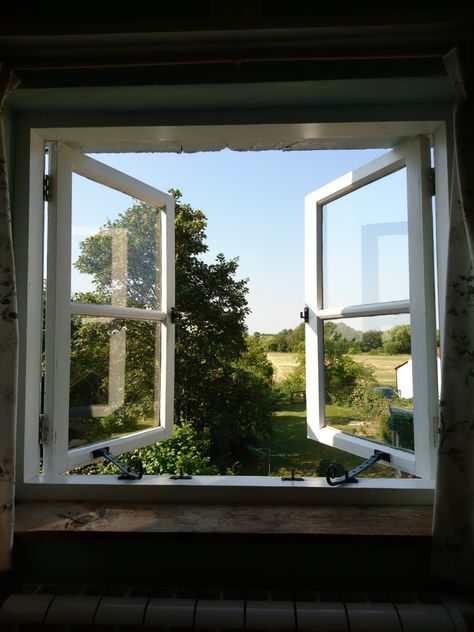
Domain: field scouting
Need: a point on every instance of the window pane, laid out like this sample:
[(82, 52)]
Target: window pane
[(115, 375), (368, 378), (365, 244), (116, 248)]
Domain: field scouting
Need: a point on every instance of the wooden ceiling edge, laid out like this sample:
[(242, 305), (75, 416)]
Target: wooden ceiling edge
[(235, 17), (235, 60)]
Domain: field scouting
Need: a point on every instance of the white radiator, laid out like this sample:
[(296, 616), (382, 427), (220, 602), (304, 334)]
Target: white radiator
[(310, 612)]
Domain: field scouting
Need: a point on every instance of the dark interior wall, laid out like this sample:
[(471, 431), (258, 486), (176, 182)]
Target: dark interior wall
[(227, 561)]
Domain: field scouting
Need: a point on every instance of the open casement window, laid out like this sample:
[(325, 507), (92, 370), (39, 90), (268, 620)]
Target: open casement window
[(98, 391), (369, 268)]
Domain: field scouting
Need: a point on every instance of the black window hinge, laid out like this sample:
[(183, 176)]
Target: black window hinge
[(43, 429), (128, 474), (432, 182), (334, 477), (47, 188)]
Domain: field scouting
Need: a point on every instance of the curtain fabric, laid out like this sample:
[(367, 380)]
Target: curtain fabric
[(453, 528), (8, 345)]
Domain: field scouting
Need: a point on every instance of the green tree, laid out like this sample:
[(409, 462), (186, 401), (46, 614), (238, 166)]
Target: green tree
[(286, 340), (280, 342), (371, 339), (398, 340), (217, 389), (342, 375)]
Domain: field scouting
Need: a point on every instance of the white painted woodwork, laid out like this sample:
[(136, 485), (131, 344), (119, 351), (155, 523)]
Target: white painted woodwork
[(104, 310), (57, 457), (422, 305), (58, 327), (331, 131), (415, 155)]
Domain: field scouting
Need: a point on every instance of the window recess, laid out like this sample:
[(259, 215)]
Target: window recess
[(369, 268), (129, 297)]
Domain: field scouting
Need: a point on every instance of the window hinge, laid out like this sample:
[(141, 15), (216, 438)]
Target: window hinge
[(43, 429), (432, 181), (47, 189)]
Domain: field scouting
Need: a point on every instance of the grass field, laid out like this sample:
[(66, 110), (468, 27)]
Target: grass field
[(383, 365), (290, 422), (297, 451), (283, 364)]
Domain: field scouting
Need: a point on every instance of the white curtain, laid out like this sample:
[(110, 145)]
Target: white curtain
[(453, 529), (8, 345)]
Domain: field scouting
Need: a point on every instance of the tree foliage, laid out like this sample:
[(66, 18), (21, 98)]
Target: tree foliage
[(398, 340), (186, 451), (371, 339), (223, 381), (342, 375), (287, 340)]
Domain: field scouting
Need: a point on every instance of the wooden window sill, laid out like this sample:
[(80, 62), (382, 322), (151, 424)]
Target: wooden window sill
[(36, 518)]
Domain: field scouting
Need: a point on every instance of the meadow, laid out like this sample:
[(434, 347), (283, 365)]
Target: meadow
[(383, 365), (289, 447)]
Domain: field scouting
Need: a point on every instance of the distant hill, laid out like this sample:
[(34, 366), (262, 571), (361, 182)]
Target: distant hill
[(348, 333)]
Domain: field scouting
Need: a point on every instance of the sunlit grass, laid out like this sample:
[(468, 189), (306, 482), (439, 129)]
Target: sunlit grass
[(301, 454), (283, 364)]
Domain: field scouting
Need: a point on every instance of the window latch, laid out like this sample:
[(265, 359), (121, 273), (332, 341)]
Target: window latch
[(128, 473), (350, 477), (175, 318), (305, 314)]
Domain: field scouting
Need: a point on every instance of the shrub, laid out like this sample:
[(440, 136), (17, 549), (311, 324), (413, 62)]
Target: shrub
[(185, 451), (369, 402), (401, 423)]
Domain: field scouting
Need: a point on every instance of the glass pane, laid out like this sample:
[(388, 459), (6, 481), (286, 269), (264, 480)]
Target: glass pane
[(116, 248), (368, 378), (114, 378), (365, 244)]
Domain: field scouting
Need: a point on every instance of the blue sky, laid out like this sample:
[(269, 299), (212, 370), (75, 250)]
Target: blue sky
[(254, 203)]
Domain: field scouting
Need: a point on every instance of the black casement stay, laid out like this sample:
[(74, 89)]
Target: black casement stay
[(350, 477), (128, 473)]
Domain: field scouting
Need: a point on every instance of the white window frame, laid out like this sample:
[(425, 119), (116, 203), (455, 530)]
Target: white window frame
[(57, 458), (414, 155), (82, 131)]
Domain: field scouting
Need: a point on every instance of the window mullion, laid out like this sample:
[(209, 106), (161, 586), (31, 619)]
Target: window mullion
[(165, 382), (374, 309), (116, 311), (422, 312), (314, 333), (58, 313)]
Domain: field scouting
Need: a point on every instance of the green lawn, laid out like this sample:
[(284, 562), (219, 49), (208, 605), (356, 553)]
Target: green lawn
[(300, 453), (349, 420)]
